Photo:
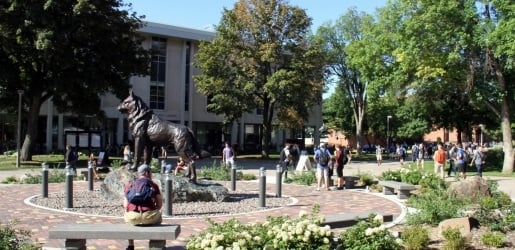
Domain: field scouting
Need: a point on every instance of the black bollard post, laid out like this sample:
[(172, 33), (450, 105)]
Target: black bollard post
[(262, 187), (168, 193), (278, 180), (44, 180), (163, 166), (90, 176), (233, 177), (69, 187)]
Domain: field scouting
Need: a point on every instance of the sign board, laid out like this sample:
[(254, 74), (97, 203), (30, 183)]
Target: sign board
[(304, 163)]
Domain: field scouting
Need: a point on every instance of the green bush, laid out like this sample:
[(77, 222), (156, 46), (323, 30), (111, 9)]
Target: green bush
[(496, 212), (369, 234), (281, 232), (415, 237), (216, 172), (367, 179), (433, 206), (454, 240), (493, 239), (391, 175), (304, 178), (411, 174), (430, 180), (15, 239)]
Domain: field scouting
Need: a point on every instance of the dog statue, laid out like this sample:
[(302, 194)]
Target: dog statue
[(149, 130)]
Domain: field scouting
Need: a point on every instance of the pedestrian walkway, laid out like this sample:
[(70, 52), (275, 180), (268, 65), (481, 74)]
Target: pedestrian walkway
[(38, 220)]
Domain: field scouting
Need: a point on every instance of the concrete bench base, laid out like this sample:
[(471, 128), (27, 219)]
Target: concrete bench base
[(350, 219), (75, 235), (349, 181), (403, 189)]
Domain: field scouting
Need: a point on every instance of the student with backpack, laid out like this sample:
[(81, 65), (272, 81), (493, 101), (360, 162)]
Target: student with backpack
[(71, 158), (322, 157), (142, 201), (461, 159), (479, 160), (439, 158)]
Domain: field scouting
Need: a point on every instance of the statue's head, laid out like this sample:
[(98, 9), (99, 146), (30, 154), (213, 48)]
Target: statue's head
[(132, 104)]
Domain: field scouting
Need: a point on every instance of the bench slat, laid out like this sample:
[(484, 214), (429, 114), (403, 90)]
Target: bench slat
[(115, 231)]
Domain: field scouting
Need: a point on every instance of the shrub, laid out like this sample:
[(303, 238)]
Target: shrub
[(366, 179), (496, 212), (10, 180), (11, 238), (304, 178), (493, 239), (391, 175), (433, 205), (216, 172), (432, 181), (369, 234), (415, 237), (454, 239), (281, 232), (411, 175)]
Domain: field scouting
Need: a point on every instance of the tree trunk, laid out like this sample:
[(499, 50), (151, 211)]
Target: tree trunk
[(507, 167), (32, 129)]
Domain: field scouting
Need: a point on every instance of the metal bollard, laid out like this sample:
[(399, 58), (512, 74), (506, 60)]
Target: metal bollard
[(44, 180), (168, 193), (233, 177), (278, 180), (163, 166), (69, 187), (262, 187), (90, 176)]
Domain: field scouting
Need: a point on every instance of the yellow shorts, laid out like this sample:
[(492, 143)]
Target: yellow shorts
[(143, 218)]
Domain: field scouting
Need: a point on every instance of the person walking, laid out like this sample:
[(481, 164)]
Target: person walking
[(70, 156), (228, 155), (479, 160), (452, 160), (322, 156), (461, 159), (439, 160), (145, 211), (379, 155)]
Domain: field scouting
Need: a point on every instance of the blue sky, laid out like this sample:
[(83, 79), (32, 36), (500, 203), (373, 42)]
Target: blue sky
[(203, 14)]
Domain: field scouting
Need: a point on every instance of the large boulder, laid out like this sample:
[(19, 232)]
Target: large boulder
[(182, 189), (470, 188)]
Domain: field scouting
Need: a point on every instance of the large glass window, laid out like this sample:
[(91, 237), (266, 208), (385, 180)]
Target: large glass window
[(158, 73), (187, 77)]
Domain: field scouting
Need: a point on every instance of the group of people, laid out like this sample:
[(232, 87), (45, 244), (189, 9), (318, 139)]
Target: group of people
[(327, 162), (458, 156)]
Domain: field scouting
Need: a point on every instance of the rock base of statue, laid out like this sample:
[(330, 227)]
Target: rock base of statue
[(182, 189)]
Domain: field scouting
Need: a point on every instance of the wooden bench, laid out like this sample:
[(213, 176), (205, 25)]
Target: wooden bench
[(403, 189), (75, 235), (350, 219)]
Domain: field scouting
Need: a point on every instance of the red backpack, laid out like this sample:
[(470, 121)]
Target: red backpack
[(440, 156)]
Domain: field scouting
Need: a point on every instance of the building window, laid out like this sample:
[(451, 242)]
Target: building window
[(158, 73), (187, 77)]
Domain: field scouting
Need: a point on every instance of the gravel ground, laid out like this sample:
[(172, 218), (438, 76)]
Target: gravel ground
[(93, 203)]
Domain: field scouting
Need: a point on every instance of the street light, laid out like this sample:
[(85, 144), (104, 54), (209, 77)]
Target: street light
[(20, 93), (481, 138), (388, 134)]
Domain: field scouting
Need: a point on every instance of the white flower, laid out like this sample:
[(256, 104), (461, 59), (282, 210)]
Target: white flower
[(369, 231), (379, 218), (303, 213), (326, 240)]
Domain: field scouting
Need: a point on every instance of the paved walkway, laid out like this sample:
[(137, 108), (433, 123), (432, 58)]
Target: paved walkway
[(39, 221)]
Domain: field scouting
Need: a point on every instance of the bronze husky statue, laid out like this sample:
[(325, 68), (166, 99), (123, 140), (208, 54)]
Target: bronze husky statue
[(149, 130)]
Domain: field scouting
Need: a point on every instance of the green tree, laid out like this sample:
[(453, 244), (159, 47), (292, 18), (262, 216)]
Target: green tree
[(262, 58), (453, 49), (68, 51), (339, 42)]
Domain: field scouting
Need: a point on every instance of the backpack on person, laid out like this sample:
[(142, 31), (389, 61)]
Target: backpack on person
[(440, 156), (140, 192), (323, 158)]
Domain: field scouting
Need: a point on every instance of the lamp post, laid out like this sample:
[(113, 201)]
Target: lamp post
[(481, 137), (20, 93), (388, 134)]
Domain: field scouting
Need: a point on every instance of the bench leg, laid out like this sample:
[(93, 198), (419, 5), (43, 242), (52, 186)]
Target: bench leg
[(157, 244), (349, 183), (388, 190), (403, 194), (75, 244)]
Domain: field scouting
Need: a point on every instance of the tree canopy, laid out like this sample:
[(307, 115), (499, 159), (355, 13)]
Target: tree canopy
[(67, 51), (262, 59)]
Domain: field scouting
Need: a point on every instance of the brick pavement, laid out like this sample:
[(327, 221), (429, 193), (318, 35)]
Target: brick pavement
[(39, 220)]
